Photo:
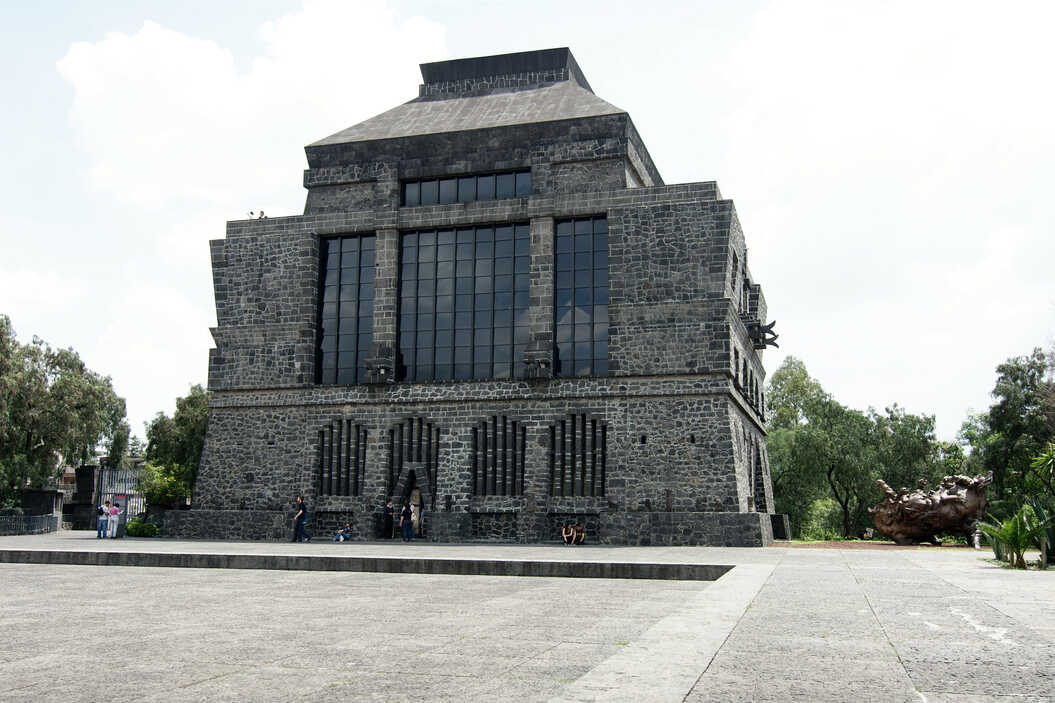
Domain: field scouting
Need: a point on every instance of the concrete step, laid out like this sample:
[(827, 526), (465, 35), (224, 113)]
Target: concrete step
[(387, 565)]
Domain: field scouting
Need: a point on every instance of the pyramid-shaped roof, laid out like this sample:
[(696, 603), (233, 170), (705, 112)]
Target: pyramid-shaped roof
[(490, 91)]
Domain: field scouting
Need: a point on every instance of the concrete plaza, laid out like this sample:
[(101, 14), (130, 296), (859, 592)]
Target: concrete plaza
[(784, 624)]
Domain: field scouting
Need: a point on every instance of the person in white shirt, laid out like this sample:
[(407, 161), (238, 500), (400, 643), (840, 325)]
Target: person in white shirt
[(103, 520)]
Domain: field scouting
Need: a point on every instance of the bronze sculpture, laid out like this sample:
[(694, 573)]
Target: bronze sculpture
[(954, 508)]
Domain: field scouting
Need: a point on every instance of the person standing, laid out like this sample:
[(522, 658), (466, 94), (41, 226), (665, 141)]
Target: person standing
[(406, 522), (115, 513), (386, 523), (299, 531), (103, 520)]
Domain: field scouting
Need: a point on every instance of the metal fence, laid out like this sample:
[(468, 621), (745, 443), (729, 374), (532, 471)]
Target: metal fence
[(120, 486), (28, 524)]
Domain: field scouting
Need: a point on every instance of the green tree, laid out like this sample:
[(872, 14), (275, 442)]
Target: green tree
[(905, 449), (176, 442), (165, 485), (823, 453), (817, 447), (54, 409), (117, 446), (136, 447), (848, 462), (792, 397), (1015, 429), (8, 345)]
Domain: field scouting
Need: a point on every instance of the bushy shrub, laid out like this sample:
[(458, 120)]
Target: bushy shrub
[(11, 505), (163, 485), (1011, 538), (821, 521), (140, 528)]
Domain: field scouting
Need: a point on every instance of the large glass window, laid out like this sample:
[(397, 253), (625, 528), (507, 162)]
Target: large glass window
[(346, 319), (464, 302), (465, 189), (581, 296)]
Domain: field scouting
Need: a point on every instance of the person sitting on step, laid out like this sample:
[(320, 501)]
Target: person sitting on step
[(343, 534)]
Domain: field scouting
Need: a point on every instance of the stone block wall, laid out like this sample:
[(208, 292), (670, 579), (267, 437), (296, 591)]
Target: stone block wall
[(667, 271), (263, 449), (681, 409)]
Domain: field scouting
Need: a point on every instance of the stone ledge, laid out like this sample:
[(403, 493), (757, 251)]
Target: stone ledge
[(595, 389), (634, 528), (384, 565)]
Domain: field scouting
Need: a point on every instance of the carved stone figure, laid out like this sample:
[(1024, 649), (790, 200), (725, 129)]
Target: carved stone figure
[(953, 508)]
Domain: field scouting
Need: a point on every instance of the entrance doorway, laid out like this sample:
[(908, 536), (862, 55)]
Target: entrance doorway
[(417, 505)]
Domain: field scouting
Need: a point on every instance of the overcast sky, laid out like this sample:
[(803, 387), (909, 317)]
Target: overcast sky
[(891, 162)]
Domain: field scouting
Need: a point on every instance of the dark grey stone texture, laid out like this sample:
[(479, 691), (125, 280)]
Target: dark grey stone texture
[(382, 565), (685, 460)]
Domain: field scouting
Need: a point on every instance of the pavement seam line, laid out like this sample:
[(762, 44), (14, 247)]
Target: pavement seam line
[(731, 631), (662, 662), (882, 627)]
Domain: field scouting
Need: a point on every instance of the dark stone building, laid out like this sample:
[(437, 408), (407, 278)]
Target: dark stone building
[(494, 307)]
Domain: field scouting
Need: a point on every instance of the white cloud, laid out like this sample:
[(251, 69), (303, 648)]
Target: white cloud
[(170, 123), (154, 345), (34, 293), (180, 140), (891, 164)]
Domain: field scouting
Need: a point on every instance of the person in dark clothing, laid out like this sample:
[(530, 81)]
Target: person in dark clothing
[(406, 522), (299, 531), (386, 523)]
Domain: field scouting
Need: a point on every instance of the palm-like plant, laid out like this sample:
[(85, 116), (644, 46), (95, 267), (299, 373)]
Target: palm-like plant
[(1046, 538), (1045, 461), (1015, 535), (1044, 466)]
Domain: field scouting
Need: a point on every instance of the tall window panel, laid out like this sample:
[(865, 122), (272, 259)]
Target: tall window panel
[(581, 297), (464, 302), (346, 321)]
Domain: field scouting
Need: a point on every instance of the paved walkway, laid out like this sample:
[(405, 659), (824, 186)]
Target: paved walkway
[(785, 624)]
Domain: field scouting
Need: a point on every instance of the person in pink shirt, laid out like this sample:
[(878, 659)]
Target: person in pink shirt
[(115, 511)]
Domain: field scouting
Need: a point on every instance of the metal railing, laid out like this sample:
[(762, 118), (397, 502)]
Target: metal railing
[(28, 524), (120, 485)]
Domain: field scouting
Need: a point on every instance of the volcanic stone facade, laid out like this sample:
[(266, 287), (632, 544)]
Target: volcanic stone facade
[(666, 446)]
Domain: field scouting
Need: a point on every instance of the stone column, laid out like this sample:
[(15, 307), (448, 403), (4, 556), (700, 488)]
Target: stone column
[(539, 353), (381, 364), (538, 358)]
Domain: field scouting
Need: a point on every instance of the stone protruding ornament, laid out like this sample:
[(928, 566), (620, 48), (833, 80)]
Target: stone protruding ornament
[(381, 365), (537, 364), (920, 515), (762, 336)]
